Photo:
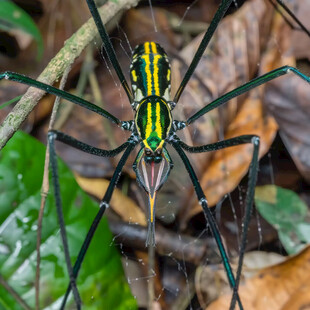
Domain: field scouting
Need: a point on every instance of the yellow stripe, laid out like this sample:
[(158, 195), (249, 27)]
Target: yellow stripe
[(146, 144), (150, 48), (148, 74), (134, 75), (160, 145), (156, 77), (168, 75), (156, 69), (158, 124), (152, 206), (146, 58), (147, 47), (148, 129), (154, 48)]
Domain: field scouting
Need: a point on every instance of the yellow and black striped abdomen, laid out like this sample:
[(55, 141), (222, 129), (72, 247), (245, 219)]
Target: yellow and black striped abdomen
[(150, 72)]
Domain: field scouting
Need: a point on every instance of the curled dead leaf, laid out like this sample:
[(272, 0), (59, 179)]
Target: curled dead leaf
[(229, 165), (253, 262), (280, 287)]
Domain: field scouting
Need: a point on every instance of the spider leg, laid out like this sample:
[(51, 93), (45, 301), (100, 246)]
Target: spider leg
[(108, 47), (246, 87), (12, 76), (104, 204), (175, 142), (62, 137), (249, 195), (217, 145), (202, 47), (291, 14)]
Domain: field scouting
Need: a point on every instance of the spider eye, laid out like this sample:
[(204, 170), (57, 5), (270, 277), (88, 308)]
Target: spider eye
[(148, 152), (158, 152)]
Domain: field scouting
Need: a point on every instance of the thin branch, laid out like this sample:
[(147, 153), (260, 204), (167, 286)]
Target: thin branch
[(179, 246), (67, 106), (95, 87), (14, 294), (45, 189)]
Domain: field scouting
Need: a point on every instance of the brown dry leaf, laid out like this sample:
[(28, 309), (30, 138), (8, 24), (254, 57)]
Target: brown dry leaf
[(121, 204), (59, 20), (204, 275), (291, 110), (300, 42), (285, 286), (141, 19), (288, 101), (228, 166)]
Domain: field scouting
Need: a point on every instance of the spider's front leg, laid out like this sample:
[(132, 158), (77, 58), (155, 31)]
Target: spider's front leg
[(245, 88), (19, 78)]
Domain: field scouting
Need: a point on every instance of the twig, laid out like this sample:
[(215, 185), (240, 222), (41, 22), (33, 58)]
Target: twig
[(54, 70), (99, 101), (45, 189), (67, 106), (151, 281), (176, 245), (14, 294)]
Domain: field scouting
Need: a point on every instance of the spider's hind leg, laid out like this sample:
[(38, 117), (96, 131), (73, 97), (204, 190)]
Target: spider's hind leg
[(179, 147), (292, 16)]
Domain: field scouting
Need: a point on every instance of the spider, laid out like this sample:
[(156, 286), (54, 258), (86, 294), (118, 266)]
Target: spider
[(153, 127)]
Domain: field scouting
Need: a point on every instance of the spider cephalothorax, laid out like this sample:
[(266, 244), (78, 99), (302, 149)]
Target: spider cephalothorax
[(153, 122)]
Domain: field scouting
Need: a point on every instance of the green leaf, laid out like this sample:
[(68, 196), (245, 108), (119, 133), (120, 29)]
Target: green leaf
[(13, 17), (101, 281), (286, 212)]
